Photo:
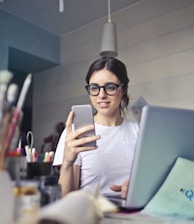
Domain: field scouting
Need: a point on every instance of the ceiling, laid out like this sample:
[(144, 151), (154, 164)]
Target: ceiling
[(77, 13)]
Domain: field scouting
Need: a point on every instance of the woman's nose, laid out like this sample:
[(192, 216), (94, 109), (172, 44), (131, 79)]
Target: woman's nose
[(102, 93)]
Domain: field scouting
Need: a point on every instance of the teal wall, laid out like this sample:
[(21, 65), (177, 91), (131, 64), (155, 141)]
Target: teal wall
[(28, 38), (3, 55)]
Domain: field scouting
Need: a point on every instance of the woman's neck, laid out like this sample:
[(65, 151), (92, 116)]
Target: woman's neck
[(108, 120)]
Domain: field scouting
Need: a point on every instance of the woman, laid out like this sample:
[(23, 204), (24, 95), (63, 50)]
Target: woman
[(109, 163)]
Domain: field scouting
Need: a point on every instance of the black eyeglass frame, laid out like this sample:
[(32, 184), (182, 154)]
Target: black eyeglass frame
[(104, 88)]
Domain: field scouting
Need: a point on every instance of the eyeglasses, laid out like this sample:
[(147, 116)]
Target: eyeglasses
[(109, 88)]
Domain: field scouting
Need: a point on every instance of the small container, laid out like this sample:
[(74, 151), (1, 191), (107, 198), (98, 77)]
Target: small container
[(17, 167), (50, 189), (27, 198), (37, 169)]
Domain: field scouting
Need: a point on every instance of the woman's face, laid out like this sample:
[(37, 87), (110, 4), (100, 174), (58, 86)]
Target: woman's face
[(103, 103)]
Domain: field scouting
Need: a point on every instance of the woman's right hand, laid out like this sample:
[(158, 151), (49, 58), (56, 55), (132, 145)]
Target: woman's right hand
[(74, 144)]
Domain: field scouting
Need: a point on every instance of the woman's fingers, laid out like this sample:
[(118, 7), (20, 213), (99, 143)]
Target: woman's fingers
[(124, 189), (121, 188), (69, 122), (79, 131), (115, 187), (83, 130), (78, 145)]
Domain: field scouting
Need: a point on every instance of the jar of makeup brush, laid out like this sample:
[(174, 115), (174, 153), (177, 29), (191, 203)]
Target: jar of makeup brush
[(27, 198)]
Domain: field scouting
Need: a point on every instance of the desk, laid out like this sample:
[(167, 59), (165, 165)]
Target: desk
[(115, 221), (143, 219), (123, 221), (107, 220)]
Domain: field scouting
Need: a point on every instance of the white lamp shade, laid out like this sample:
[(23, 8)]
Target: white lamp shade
[(109, 40)]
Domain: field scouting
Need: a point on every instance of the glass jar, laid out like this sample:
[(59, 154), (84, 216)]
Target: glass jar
[(26, 197)]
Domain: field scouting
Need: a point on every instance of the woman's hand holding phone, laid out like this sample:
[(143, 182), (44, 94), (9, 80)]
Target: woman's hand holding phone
[(81, 139), (83, 117)]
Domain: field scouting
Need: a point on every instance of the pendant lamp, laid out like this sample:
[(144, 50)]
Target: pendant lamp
[(109, 38)]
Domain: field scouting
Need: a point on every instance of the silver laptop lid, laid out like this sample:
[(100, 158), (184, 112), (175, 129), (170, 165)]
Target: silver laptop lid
[(165, 134)]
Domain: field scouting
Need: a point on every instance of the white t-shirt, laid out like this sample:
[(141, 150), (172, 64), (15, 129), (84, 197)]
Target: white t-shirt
[(111, 162)]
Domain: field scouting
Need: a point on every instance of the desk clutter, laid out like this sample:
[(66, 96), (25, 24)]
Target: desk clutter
[(173, 203), (30, 202), (34, 184), (20, 169), (27, 179), (23, 198), (11, 115), (78, 207)]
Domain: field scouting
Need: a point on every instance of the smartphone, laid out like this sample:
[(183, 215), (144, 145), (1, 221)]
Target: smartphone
[(83, 116)]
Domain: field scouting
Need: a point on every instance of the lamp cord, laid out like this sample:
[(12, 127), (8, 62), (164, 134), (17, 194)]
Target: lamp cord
[(61, 5), (109, 17)]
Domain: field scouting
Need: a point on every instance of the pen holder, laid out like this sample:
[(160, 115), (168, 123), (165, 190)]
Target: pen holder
[(38, 169)]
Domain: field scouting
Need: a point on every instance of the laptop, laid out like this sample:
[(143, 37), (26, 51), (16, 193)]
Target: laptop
[(165, 134)]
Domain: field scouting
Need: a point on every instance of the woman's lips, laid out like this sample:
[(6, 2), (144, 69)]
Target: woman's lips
[(103, 104)]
